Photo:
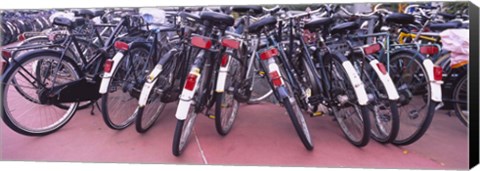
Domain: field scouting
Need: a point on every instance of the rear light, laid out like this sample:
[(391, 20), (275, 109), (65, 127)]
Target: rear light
[(107, 67), (201, 42), (269, 53), (21, 37), (190, 82), (231, 43), (121, 45), (276, 79), (437, 73), (371, 49), (6, 54), (382, 68), (224, 60), (4, 66), (429, 50)]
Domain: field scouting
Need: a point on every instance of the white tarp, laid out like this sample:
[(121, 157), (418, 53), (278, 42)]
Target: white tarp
[(457, 42), (152, 15), (68, 15)]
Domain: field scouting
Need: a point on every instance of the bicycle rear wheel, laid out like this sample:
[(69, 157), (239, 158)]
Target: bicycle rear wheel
[(120, 102), (183, 130), (460, 95), (350, 115), (415, 107), (383, 116), (24, 111), (147, 115), (226, 105)]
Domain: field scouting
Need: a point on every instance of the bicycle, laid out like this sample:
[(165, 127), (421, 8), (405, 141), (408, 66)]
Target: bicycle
[(57, 82)]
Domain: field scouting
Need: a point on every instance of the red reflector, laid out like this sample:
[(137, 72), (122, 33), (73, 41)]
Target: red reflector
[(107, 67), (382, 68), (428, 50), (4, 66), (201, 42), (231, 43), (269, 53), (276, 79), (6, 54), (121, 45), (372, 49), (21, 37), (190, 82), (224, 60), (437, 73)]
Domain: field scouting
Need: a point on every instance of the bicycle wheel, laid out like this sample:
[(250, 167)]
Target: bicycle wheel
[(37, 117), (119, 103), (226, 106), (261, 89), (295, 113), (183, 130), (148, 114), (460, 95), (383, 116), (296, 116), (350, 115), (415, 107)]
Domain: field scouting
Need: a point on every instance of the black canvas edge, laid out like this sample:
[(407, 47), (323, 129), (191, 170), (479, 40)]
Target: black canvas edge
[(473, 85)]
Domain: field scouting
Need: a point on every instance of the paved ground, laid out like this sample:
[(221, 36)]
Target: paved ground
[(262, 135)]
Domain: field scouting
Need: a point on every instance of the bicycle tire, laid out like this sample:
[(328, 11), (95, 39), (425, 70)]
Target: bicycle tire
[(147, 115), (423, 94), (226, 105), (383, 116), (15, 123), (342, 86), (183, 132), (295, 113), (460, 93), (117, 102)]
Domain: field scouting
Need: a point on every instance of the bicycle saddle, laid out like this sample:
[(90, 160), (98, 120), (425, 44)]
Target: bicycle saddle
[(217, 19), (398, 18)]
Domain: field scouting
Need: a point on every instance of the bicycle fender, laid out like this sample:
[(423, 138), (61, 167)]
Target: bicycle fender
[(107, 76), (186, 97), (436, 86), (357, 83), (386, 80), (147, 87), (222, 76)]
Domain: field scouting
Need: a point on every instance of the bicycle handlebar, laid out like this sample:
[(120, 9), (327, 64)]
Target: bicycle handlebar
[(375, 11)]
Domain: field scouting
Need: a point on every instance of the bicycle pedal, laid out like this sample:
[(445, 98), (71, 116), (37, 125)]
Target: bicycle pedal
[(261, 73), (316, 114), (211, 116)]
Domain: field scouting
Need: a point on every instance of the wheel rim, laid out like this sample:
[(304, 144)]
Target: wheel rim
[(124, 89), (46, 118), (187, 128), (410, 78)]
